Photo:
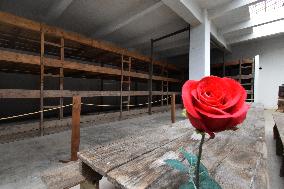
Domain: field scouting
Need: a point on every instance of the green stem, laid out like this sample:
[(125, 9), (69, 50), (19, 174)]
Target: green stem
[(198, 161)]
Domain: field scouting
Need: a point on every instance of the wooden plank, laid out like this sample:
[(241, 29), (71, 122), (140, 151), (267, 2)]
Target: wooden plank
[(41, 126), (11, 19), (145, 170), (234, 158), (278, 131), (279, 122), (106, 158), (24, 93), (65, 176), (61, 79), (35, 60), (75, 135)]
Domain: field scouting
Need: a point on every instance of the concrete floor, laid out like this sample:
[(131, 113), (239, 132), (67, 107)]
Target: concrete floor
[(22, 162)]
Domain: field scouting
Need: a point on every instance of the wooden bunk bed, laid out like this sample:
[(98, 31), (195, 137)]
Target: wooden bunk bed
[(241, 70), (35, 48)]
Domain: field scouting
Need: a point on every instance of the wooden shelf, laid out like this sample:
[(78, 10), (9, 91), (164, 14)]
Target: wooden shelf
[(239, 67)]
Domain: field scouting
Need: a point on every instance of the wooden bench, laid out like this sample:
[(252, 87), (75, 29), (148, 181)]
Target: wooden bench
[(278, 131), (235, 159)]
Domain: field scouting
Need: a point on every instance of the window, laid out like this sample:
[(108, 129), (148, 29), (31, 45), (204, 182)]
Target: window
[(265, 6)]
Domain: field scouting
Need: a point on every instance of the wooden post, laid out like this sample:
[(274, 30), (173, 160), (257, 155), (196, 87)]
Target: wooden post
[(150, 86), (41, 127), (121, 88), (75, 137), (173, 108), (61, 78)]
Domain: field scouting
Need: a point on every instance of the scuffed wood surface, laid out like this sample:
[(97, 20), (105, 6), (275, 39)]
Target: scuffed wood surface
[(65, 176), (236, 159), (279, 122)]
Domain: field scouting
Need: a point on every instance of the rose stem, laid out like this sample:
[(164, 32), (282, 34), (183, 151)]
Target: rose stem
[(198, 161)]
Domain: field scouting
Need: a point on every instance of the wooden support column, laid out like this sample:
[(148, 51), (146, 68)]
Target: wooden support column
[(129, 83), (75, 136), (41, 126), (167, 83), (102, 88), (61, 79), (121, 88), (173, 108), (150, 86), (240, 70), (162, 88)]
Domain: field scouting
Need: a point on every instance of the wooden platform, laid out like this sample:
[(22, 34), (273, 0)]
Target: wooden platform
[(279, 137), (235, 159)]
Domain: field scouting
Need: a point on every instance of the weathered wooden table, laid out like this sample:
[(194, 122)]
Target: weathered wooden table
[(235, 159), (278, 131)]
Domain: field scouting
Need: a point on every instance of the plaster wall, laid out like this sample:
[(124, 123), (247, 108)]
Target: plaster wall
[(271, 60)]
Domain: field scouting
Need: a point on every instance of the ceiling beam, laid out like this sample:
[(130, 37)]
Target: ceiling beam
[(186, 9), (219, 36), (146, 37), (264, 31), (57, 10), (235, 4), (253, 22), (125, 20)]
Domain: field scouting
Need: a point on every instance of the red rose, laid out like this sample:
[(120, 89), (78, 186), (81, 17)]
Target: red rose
[(214, 104)]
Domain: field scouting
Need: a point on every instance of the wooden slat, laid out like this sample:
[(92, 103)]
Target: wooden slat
[(65, 176), (279, 122), (35, 26), (151, 167), (35, 60), (234, 158), (109, 157), (22, 93)]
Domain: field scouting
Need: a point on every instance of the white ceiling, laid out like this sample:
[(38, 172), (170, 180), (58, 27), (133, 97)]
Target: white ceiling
[(209, 4), (128, 23)]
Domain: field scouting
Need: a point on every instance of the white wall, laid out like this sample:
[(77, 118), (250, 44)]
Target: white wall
[(271, 59)]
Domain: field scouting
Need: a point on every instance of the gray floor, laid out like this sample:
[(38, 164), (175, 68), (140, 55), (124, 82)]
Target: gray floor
[(22, 162)]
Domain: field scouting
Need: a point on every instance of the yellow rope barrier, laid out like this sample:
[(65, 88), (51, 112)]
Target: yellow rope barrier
[(86, 104)]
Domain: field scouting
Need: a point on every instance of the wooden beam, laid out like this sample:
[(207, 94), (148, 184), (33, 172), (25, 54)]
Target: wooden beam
[(41, 126), (23, 93), (36, 26), (35, 60), (75, 136), (173, 108), (61, 79)]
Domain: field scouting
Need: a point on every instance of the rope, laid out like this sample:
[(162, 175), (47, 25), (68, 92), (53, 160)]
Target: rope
[(86, 104)]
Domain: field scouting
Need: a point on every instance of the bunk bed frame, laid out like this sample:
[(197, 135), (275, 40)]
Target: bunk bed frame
[(241, 70), (31, 47)]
